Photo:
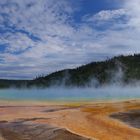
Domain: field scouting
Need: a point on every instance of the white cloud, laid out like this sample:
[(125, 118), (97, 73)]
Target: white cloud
[(60, 45), (133, 7), (105, 15), (17, 42)]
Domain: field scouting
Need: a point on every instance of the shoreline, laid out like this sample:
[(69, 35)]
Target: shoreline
[(14, 102)]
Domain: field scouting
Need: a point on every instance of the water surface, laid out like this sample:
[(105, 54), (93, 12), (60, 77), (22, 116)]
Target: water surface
[(71, 93)]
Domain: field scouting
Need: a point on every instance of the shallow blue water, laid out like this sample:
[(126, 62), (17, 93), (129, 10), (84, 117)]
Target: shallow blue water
[(71, 93)]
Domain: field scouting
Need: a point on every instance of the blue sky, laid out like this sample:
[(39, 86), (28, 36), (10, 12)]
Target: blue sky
[(41, 36)]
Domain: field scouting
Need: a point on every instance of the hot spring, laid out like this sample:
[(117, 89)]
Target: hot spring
[(75, 94)]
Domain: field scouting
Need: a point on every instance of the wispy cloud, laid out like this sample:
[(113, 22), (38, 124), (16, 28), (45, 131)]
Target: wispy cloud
[(42, 36), (105, 15)]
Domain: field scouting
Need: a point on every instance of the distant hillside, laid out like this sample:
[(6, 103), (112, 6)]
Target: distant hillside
[(4, 83), (121, 69)]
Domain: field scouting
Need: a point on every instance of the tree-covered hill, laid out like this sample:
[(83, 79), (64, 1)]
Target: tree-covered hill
[(121, 69)]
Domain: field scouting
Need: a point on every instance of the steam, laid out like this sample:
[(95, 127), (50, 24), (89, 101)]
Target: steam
[(116, 77), (113, 88)]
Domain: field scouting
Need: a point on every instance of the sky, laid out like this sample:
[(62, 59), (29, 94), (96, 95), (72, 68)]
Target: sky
[(38, 37)]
